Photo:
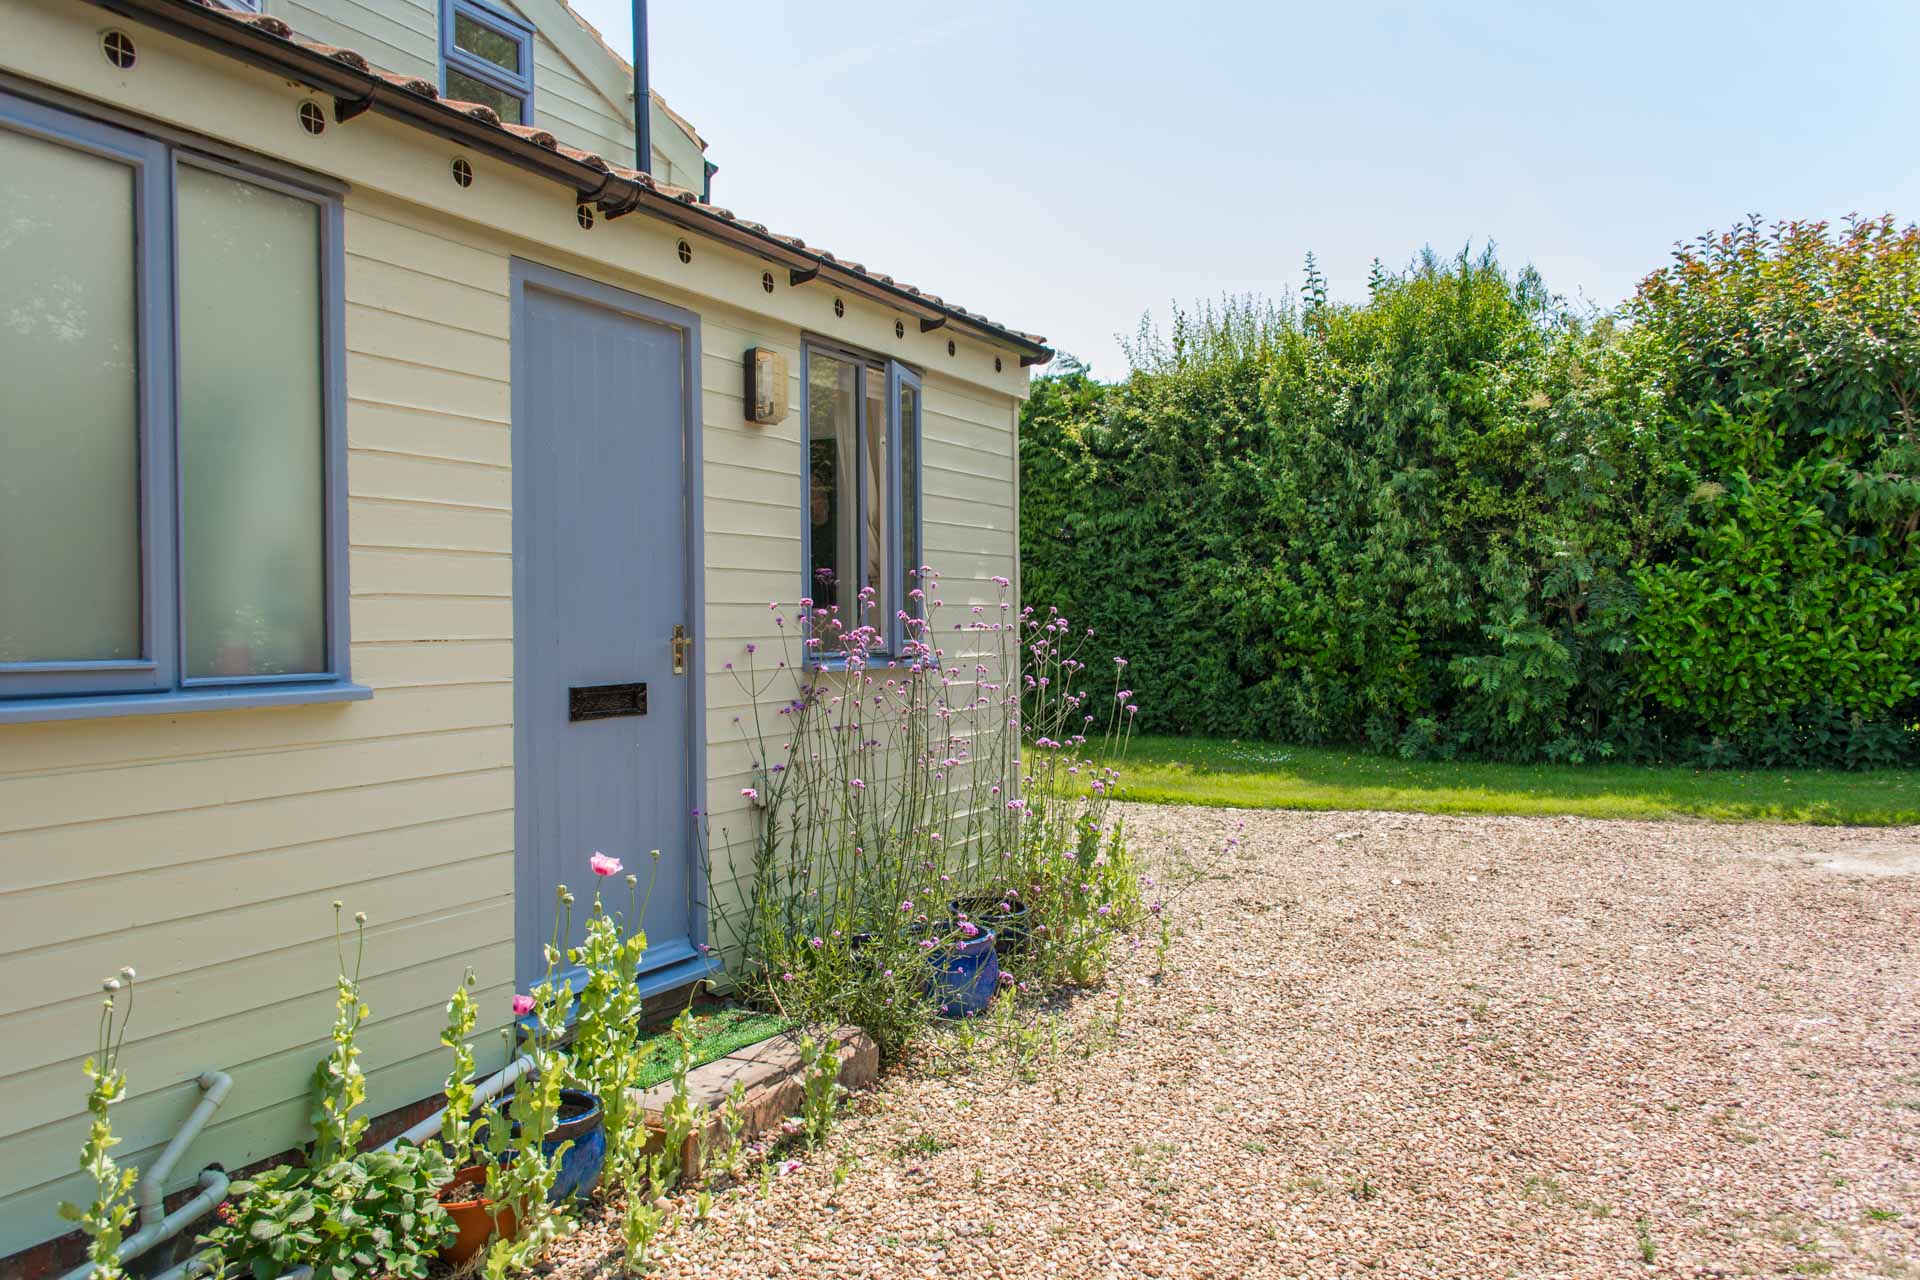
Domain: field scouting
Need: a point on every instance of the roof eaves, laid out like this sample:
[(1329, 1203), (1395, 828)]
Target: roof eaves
[(356, 86)]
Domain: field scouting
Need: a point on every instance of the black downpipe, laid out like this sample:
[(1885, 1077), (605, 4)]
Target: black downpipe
[(642, 98)]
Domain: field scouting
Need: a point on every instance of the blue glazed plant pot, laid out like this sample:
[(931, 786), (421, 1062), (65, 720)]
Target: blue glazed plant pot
[(581, 1124), (964, 975)]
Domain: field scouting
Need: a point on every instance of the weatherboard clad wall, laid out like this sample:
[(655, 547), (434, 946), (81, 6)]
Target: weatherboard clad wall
[(204, 848), (586, 106)]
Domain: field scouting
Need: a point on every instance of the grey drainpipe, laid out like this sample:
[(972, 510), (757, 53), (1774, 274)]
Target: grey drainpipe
[(642, 97)]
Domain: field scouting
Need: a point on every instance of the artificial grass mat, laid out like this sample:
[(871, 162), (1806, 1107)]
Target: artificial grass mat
[(717, 1032)]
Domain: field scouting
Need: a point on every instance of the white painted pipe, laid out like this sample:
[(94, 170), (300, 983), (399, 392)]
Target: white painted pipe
[(155, 1224), (151, 1194), (487, 1089)]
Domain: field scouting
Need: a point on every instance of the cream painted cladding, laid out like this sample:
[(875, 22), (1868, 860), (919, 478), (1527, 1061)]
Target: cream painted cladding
[(582, 90), (204, 848)]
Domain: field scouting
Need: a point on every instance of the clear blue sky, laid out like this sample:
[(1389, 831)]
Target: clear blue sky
[(1066, 165)]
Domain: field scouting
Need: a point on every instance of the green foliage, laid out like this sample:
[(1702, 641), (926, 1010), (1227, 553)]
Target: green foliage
[(458, 1126), (375, 1213), (339, 1086), (605, 1057), (519, 1187), (820, 1086), (347, 1213), (105, 1218), (905, 808), (679, 1119), (648, 1182), (1783, 365), (1464, 519)]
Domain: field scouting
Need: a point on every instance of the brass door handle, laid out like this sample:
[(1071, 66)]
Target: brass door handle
[(681, 643)]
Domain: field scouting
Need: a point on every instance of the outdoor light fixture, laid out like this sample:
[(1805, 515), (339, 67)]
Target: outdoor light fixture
[(766, 387)]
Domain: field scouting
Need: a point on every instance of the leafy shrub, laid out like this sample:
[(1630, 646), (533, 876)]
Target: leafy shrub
[(1783, 366), (375, 1213), (1463, 518)]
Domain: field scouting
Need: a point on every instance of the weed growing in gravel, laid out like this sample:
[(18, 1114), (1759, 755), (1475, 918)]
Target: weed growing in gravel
[(820, 1086), (843, 1168), (920, 1144), (647, 1183), (1643, 1233), (640, 1223), (733, 1123)]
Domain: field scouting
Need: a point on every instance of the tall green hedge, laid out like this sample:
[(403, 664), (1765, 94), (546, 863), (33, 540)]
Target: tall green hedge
[(1463, 519)]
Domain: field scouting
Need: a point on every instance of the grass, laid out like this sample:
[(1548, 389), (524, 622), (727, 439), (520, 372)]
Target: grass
[(1252, 775), (716, 1033)]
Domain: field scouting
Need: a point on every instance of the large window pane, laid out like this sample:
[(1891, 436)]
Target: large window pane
[(464, 88), (483, 41), (251, 440), (909, 428), (877, 550), (832, 509), (69, 431)]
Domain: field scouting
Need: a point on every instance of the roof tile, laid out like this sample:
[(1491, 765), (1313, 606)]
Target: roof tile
[(478, 110), (533, 133)]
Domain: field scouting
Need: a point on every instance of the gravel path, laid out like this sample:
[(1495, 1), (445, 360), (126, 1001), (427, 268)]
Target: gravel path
[(1410, 1046)]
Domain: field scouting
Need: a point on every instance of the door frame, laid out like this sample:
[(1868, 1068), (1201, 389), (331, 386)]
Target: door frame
[(524, 275)]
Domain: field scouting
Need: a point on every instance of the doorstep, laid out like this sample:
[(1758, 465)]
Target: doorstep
[(770, 1073)]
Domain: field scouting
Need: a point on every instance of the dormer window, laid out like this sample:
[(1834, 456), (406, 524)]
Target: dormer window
[(487, 57)]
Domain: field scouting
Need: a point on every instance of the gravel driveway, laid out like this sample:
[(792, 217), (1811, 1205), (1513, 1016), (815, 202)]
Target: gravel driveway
[(1400, 1045)]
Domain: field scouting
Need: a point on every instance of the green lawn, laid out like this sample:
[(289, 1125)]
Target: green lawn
[(1256, 775)]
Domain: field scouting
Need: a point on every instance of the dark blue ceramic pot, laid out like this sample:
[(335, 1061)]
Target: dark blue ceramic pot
[(964, 975)]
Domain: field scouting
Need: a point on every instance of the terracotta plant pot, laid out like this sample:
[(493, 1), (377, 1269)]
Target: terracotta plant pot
[(472, 1214)]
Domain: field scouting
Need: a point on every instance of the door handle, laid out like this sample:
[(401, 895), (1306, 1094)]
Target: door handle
[(681, 643)]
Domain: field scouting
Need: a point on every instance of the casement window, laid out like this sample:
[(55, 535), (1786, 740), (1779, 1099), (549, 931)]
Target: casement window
[(861, 430), (172, 528), (486, 56)]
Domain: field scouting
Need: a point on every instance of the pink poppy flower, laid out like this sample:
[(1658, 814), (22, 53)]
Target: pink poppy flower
[(522, 1006), (604, 866)]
